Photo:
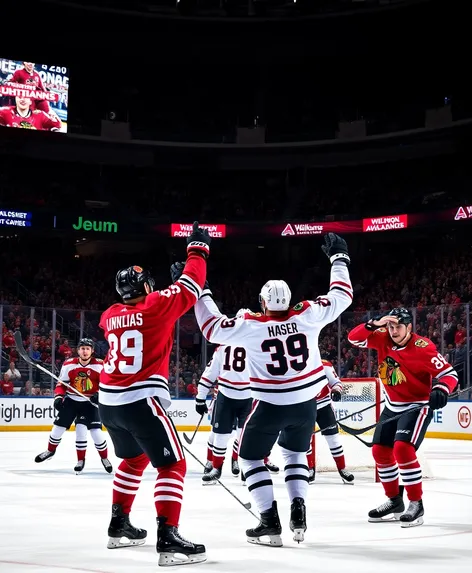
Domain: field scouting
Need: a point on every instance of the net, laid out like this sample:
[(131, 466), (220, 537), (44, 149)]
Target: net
[(361, 406)]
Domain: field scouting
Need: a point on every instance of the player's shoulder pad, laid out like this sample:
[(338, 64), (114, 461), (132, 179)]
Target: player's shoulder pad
[(426, 343), (301, 306), (326, 363), (421, 343), (251, 313), (70, 361), (380, 330), (37, 111), (98, 361)]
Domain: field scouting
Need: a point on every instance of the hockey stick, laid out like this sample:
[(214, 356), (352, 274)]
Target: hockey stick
[(190, 440), (357, 432), (355, 414), (246, 506), (27, 358)]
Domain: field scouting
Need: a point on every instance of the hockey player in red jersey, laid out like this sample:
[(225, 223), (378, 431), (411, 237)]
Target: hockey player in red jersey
[(413, 373), (29, 76), (134, 399), (22, 115), (82, 373), (326, 421)]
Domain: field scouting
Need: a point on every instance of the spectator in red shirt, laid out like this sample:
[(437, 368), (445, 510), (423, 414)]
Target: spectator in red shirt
[(6, 387), (65, 350), (192, 390), (460, 334)]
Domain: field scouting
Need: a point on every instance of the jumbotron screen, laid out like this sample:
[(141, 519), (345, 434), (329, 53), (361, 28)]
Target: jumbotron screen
[(33, 96)]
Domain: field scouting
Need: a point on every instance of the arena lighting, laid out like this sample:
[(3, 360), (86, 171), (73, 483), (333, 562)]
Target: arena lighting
[(186, 6)]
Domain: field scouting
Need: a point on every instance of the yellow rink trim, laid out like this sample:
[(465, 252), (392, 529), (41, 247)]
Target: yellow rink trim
[(449, 435), (48, 428)]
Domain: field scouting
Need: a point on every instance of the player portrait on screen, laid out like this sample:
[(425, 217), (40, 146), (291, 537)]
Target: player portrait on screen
[(21, 115), (28, 75), (46, 89)]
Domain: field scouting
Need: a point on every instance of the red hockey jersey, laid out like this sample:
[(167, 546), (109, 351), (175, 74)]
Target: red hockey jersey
[(406, 371), (141, 338), (85, 379)]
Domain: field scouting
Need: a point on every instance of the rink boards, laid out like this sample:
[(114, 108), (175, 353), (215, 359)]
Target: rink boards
[(37, 414)]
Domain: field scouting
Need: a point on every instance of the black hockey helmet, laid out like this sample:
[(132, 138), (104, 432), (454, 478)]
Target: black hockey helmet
[(85, 342), (402, 314), (130, 282)]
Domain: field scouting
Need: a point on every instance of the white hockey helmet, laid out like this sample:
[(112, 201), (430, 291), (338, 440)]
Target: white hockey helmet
[(276, 295)]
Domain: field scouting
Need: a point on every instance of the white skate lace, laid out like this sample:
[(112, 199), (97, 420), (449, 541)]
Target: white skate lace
[(385, 506)]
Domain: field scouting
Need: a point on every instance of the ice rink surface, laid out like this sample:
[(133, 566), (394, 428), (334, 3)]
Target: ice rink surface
[(52, 521)]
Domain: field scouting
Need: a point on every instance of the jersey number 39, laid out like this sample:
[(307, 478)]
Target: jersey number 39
[(128, 346)]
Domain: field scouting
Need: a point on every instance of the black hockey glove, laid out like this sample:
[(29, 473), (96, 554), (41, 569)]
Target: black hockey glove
[(199, 241), (58, 402), (438, 396), (201, 407), (371, 324), (336, 395), (94, 398), (335, 248), (176, 271)]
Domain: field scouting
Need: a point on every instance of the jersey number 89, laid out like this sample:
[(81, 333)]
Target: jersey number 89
[(130, 347)]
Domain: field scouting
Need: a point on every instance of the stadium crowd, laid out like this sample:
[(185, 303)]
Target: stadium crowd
[(436, 284)]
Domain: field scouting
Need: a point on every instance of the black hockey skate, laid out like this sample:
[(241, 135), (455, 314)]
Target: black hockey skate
[(391, 510), (272, 468), (79, 466), (413, 516), (269, 526), (120, 531), (298, 519), (208, 467), (311, 475), (173, 549), (347, 477), (235, 467), (107, 464), (212, 477), (43, 456)]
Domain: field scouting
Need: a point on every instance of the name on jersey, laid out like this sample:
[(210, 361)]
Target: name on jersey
[(282, 329), (125, 321)]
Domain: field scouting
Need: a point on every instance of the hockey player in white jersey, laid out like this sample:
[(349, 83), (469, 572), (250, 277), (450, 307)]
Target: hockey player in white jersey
[(228, 368), (286, 374), (326, 421)]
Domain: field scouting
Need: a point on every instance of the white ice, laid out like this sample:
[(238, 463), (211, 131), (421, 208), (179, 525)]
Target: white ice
[(52, 521)]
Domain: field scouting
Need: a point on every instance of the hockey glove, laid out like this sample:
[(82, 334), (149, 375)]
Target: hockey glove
[(438, 396), (336, 395), (58, 402), (94, 398), (199, 241), (201, 407), (376, 322), (176, 271), (335, 248)]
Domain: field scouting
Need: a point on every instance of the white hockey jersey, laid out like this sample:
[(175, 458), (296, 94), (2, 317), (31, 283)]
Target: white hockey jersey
[(229, 369), (283, 357), (324, 397)]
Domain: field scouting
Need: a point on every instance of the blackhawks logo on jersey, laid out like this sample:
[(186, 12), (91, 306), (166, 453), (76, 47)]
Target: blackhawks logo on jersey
[(421, 343), (390, 372), (298, 306), (82, 382)]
